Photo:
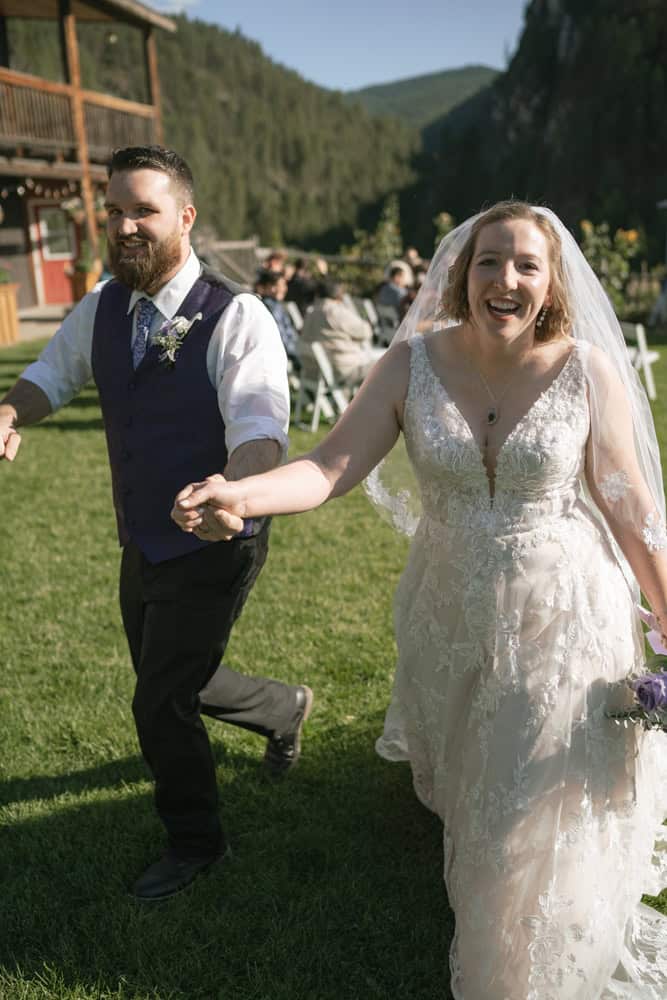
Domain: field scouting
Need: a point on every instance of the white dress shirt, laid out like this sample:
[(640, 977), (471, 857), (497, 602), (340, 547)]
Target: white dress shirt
[(246, 360)]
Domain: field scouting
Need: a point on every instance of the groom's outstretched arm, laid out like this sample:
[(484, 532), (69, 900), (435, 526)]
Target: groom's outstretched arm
[(25, 403), (253, 458)]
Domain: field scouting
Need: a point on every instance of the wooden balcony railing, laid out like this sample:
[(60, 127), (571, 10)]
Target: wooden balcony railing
[(37, 115), (112, 122), (30, 115)]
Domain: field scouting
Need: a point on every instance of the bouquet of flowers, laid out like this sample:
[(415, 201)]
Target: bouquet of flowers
[(650, 690)]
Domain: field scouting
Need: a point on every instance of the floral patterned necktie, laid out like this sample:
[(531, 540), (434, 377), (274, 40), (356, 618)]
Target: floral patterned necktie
[(144, 312)]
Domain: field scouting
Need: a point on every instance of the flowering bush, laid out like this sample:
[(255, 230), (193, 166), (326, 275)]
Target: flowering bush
[(610, 257), (373, 251)]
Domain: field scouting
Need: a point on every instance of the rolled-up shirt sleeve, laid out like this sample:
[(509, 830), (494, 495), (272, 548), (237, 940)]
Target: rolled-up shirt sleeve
[(250, 374), (64, 366)]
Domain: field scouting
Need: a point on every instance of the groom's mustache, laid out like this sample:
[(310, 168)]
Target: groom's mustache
[(133, 242)]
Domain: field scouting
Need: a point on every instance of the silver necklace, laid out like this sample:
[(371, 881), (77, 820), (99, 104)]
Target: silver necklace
[(493, 412)]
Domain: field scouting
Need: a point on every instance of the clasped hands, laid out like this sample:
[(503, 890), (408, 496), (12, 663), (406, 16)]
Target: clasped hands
[(209, 510), (10, 439)]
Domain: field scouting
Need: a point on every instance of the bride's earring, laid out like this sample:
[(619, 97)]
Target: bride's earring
[(541, 318)]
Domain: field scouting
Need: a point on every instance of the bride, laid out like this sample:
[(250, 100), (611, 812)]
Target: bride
[(541, 517)]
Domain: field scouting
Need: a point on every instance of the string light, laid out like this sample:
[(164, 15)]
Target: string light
[(30, 186)]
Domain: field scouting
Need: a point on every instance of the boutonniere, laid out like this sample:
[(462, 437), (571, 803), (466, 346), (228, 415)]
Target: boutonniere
[(171, 335)]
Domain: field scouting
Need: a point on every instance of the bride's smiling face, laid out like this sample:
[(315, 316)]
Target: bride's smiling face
[(508, 277)]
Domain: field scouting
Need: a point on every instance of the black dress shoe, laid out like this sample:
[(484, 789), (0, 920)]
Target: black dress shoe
[(170, 875), (283, 749)]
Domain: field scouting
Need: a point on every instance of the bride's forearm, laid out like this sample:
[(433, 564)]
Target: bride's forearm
[(290, 489)]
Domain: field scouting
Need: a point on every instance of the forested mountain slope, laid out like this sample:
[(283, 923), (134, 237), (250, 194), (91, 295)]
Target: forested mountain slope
[(578, 121), (420, 100)]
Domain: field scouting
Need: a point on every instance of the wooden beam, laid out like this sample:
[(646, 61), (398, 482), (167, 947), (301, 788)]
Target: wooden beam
[(150, 50), (34, 82), (129, 11), (16, 166), (74, 79), (125, 11), (118, 103)]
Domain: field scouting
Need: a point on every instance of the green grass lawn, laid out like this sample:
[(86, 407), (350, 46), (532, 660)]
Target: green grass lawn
[(334, 890)]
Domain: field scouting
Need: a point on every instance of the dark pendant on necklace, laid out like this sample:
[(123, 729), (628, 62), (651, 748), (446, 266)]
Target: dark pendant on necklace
[(491, 416)]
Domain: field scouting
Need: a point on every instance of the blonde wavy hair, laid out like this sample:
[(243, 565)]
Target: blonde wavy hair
[(558, 319)]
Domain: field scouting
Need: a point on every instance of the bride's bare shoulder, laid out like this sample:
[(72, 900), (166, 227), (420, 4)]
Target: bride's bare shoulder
[(444, 344)]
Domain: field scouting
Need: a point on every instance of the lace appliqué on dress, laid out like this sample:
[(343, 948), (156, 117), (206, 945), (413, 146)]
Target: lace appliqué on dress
[(402, 518), (615, 486), (654, 533)]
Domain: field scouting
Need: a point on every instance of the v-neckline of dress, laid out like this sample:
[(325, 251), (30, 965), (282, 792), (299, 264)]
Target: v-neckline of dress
[(478, 447)]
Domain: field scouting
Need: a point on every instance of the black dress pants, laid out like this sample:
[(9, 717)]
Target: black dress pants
[(178, 617)]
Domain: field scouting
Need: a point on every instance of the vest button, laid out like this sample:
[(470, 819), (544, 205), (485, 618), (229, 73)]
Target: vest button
[(126, 455), (132, 384), (128, 491), (128, 422)]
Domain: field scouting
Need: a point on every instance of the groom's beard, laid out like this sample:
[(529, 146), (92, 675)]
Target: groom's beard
[(145, 270)]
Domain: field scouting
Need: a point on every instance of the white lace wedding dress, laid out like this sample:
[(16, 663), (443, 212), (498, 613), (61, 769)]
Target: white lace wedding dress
[(516, 628)]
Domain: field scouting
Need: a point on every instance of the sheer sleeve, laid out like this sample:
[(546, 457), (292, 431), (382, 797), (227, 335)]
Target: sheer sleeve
[(615, 464)]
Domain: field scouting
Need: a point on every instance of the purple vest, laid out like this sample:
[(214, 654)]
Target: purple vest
[(162, 422)]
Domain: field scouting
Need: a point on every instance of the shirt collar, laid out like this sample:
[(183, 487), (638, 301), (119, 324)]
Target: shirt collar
[(168, 298)]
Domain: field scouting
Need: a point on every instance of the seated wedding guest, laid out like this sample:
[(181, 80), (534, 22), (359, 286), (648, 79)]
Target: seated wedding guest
[(411, 257), (411, 293), (275, 261), (394, 288), (271, 287), (301, 286), (345, 336)]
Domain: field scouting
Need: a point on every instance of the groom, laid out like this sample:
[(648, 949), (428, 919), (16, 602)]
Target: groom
[(192, 378)]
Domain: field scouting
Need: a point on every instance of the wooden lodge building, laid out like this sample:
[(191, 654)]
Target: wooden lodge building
[(56, 135)]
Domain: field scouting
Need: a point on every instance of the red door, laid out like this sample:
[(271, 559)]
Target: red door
[(54, 243)]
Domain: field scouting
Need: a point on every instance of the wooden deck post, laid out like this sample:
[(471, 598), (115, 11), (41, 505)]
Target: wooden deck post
[(4, 41), (150, 49), (74, 78)]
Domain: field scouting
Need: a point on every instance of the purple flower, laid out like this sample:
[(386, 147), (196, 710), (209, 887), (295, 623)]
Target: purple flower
[(651, 692)]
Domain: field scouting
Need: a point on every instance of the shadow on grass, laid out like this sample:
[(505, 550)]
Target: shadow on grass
[(95, 423), (334, 889), (112, 774), (128, 771)]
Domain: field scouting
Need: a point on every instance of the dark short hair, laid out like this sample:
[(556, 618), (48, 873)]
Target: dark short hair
[(268, 277), (329, 288), (396, 270), (167, 161)]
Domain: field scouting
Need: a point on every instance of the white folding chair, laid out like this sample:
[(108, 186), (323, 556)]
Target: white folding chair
[(371, 314), (641, 356), (295, 315), (329, 399), (388, 323)]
